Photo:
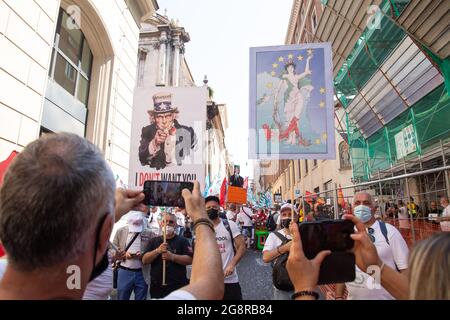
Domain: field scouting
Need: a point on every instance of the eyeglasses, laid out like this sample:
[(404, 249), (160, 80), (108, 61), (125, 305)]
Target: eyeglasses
[(371, 232), (170, 222)]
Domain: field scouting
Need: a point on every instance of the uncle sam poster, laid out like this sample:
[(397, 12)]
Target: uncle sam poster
[(167, 132), (291, 102)]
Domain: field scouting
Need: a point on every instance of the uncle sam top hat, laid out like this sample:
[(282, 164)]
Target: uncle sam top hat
[(162, 103)]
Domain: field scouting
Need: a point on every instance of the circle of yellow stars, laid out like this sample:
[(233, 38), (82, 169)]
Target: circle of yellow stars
[(290, 56)]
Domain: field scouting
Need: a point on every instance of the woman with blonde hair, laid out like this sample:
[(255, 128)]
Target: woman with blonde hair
[(429, 269)]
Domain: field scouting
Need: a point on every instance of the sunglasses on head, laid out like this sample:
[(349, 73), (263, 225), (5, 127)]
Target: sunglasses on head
[(371, 232)]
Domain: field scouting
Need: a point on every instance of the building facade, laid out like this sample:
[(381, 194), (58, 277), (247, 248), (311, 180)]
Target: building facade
[(392, 81), (70, 65), (161, 54), (217, 159)]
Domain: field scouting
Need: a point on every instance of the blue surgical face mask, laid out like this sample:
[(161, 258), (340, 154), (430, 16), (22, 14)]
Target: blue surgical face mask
[(363, 213)]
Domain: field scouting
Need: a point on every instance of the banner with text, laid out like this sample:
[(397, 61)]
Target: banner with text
[(167, 133)]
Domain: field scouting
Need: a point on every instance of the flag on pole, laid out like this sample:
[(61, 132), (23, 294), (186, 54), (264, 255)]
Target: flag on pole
[(207, 186), (3, 167), (5, 164), (269, 199), (341, 200), (308, 197), (245, 185), (223, 192), (251, 197)]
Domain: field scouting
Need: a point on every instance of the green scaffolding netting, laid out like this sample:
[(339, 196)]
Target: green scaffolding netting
[(425, 122), (430, 119)]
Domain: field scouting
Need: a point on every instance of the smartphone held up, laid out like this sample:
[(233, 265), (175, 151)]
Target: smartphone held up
[(333, 235), (165, 193)]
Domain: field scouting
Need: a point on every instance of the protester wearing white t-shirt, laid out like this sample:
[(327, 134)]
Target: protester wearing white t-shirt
[(391, 247), (154, 219), (445, 217), (245, 220), (181, 220), (232, 213), (274, 247), (231, 247)]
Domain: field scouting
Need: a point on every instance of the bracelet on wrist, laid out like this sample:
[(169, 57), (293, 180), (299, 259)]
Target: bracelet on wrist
[(305, 293), (204, 221)]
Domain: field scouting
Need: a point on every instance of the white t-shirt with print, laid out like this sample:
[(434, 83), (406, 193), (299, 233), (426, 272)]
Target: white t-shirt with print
[(393, 255), (225, 244), (445, 225), (243, 219), (272, 241)]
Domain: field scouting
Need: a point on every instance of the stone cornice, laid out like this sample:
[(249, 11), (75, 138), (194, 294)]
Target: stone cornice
[(293, 20)]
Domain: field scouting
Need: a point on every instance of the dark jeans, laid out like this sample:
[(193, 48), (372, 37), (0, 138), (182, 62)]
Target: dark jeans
[(159, 291), (232, 291), (129, 281)]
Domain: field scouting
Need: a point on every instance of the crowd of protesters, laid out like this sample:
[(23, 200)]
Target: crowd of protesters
[(62, 242)]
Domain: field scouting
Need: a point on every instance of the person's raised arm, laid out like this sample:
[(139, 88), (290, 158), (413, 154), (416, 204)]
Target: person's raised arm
[(207, 280)]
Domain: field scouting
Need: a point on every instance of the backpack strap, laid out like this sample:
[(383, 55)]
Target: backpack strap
[(281, 237), (227, 226), (246, 214), (384, 231)]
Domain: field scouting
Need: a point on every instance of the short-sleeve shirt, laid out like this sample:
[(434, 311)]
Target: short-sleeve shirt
[(272, 241), (244, 218), (395, 254), (175, 273), (445, 225), (225, 244)]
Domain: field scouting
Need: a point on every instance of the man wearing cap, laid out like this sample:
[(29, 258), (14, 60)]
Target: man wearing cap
[(279, 243), (165, 142), (135, 238)]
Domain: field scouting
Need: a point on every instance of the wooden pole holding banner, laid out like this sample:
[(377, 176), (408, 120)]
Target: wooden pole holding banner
[(292, 213), (164, 241)]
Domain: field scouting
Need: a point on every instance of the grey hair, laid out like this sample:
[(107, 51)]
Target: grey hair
[(364, 192), (53, 196)]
